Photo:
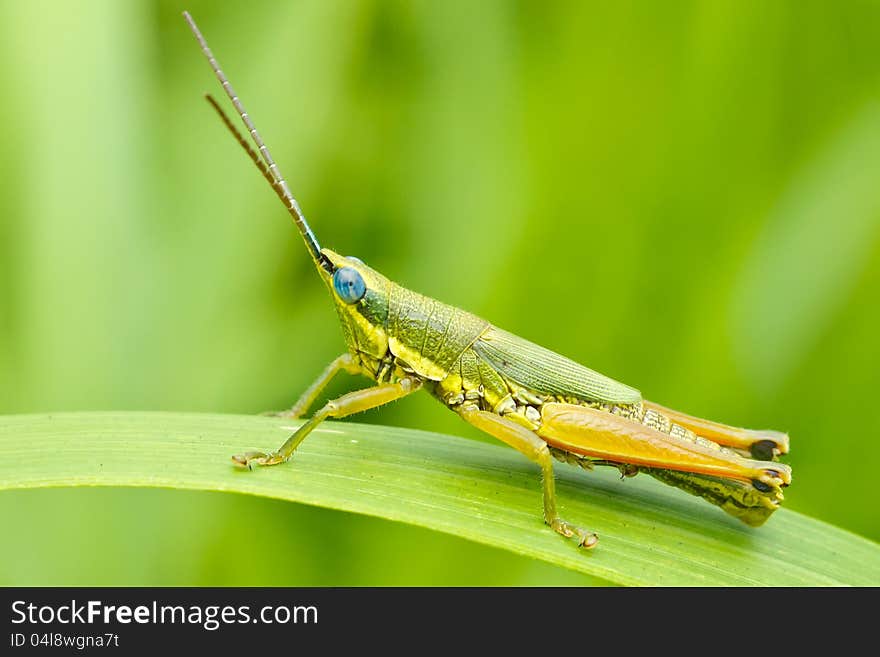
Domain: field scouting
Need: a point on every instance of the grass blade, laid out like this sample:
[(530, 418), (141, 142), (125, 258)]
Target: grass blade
[(650, 534)]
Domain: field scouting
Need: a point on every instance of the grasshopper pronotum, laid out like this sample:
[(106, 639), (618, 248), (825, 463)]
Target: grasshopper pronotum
[(538, 402)]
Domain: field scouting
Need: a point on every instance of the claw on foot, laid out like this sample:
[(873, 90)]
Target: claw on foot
[(584, 538), (588, 540), (250, 459)]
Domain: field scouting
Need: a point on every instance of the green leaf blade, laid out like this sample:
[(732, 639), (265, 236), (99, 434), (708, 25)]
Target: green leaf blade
[(651, 534)]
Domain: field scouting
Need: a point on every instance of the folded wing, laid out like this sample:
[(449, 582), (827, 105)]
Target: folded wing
[(543, 371)]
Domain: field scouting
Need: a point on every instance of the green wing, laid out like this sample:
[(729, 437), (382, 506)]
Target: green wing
[(543, 371)]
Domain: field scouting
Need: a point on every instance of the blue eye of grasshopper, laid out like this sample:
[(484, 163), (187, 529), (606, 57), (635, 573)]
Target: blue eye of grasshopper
[(349, 285)]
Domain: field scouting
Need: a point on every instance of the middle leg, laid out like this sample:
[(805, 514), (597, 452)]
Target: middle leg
[(529, 444)]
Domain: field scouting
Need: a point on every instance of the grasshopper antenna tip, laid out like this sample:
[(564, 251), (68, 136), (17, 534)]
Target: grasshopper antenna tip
[(274, 173)]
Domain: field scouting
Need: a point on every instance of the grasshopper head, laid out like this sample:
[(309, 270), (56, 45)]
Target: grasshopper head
[(360, 295)]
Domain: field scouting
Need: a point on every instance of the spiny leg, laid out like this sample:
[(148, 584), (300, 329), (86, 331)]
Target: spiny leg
[(348, 404), (345, 362), (530, 445), (763, 444)]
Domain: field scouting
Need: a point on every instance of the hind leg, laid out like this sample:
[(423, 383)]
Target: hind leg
[(763, 445)]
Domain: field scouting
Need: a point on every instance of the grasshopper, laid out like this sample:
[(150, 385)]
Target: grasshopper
[(534, 400)]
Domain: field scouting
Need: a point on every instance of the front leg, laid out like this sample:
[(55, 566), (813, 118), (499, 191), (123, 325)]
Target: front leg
[(348, 404), (345, 362)]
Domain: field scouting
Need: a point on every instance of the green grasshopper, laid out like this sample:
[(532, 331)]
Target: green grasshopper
[(538, 402)]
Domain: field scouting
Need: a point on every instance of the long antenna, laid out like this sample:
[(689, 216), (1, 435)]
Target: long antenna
[(255, 158), (274, 173)]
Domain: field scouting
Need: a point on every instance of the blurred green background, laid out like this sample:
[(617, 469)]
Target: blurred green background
[(682, 195)]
